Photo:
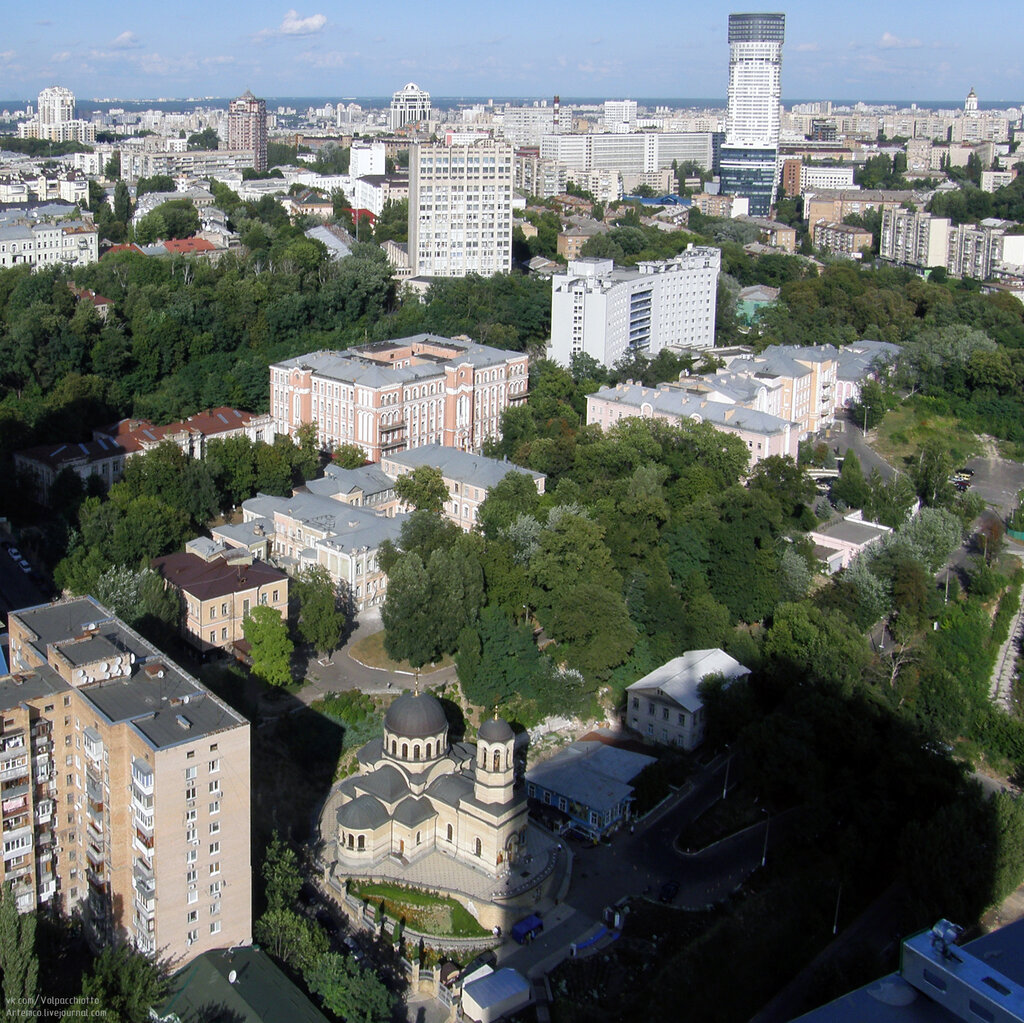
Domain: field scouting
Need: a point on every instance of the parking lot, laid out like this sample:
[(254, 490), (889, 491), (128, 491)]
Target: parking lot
[(997, 481)]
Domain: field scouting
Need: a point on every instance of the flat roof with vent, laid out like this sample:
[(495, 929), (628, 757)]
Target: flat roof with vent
[(154, 693)]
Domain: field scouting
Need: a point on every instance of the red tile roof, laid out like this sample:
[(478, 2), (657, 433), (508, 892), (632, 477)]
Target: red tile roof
[(135, 434), (183, 246)]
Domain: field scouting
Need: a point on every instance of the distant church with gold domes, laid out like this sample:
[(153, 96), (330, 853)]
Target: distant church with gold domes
[(416, 793)]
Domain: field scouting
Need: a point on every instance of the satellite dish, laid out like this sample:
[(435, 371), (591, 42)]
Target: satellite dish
[(232, 977)]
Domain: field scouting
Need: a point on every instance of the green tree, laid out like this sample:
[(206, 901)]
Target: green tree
[(18, 960), (349, 456), (931, 473), (270, 648), (125, 983), (348, 990), (423, 489), (294, 940), (281, 874), (205, 139), (850, 487), (320, 619)]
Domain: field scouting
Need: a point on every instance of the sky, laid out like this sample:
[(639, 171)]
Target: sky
[(868, 49)]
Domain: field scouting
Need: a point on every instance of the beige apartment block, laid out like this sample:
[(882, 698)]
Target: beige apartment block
[(125, 786), (218, 587), (840, 239)]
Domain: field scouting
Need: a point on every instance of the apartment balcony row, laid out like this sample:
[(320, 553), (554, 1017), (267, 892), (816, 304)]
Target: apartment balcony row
[(142, 779), (17, 771)]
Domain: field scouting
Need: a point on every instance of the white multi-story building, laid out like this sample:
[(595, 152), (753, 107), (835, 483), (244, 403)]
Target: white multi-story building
[(602, 310), (56, 105), (460, 209), (635, 153), (912, 238), (526, 126), (620, 115), (56, 121), (40, 237), (410, 105), (367, 158), (750, 154), (814, 177)]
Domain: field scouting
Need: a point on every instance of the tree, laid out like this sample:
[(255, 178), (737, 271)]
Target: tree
[(320, 619), (125, 983), (850, 487), (349, 456), (931, 473), (423, 489), (205, 139), (291, 938), (270, 648), (18, 960), (408, 619), (281, 874), (351, 992)]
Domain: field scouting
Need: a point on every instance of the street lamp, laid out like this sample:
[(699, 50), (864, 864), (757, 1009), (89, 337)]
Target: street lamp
[(725, 785), (767, 825), (835, 921)]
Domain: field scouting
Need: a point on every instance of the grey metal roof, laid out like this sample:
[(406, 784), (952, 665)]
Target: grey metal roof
[(363, 812), (412, 811), (590, 773), (496, 730), (461, 465), (386, 783), (680, 678), (450, 789), (416, 716)]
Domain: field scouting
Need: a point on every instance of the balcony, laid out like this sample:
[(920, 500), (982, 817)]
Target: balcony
[(97, 881), (143, 843), (142, 778), (18, 771), (44, 811)]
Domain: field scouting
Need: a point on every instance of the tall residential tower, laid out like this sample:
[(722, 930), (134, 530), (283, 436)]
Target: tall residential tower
[(750, 153), (247, 127)]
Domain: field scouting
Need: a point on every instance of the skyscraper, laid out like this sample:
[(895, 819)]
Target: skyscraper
[(247, 127), (750, 152)]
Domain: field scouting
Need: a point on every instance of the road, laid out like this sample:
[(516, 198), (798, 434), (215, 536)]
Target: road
[(848, 436)]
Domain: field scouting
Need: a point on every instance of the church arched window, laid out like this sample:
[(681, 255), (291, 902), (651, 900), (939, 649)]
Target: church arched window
[(497, 760), (430, 750), (405, 751), (416, 752), (394, 748), (361, 843), (450, 832), (478, 847)]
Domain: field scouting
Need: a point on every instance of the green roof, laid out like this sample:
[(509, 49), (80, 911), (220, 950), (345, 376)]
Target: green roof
[(261, 993)]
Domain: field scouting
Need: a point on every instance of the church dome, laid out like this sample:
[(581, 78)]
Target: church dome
[(495, 730), (415, 716)]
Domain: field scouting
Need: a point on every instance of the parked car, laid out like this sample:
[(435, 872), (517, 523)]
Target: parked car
[(24, 566), (14, 553)]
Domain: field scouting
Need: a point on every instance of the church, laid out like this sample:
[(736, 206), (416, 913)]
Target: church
[(417, 793)]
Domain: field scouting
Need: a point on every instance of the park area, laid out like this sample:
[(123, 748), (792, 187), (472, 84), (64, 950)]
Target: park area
[(420, 911)]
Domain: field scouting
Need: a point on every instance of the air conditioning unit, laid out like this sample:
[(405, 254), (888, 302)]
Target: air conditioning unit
[(195, 841)]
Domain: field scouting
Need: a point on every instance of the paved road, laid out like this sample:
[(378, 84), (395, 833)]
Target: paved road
[(997, 481), (848, 436)]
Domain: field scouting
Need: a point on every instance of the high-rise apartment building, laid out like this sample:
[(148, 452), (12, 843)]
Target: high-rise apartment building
[(604, 311), (620, 115), (460, 209), (247, 127), (750, 152), (410, 105), (56, 105), (124, 786), (55, 119)]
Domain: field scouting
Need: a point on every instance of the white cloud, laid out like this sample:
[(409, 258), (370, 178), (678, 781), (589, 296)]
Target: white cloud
[(126, 41), (326, 60), (8, 55), (293, 25), (60, 58), (807, 47), (891, 42)]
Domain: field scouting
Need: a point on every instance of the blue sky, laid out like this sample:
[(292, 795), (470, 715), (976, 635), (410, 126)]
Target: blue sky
[(868, 49)]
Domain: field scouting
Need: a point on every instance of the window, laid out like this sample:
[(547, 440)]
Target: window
[(190, 773), (190, 856), (214, 827), (190, 876), (190, 815), (190, 792), (214, 787), (193, 936), (636, 703), (215, 888), (361, 843), (664, 713), (449, 832), (193, 915), (215, 806), (191, 835), (650, 708), (478, 847), (214, 848), (193, 897), (223, 634), (215, 868), (215, 927), (214, 766)]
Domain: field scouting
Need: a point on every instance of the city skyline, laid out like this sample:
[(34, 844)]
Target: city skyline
[(871, 52)]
